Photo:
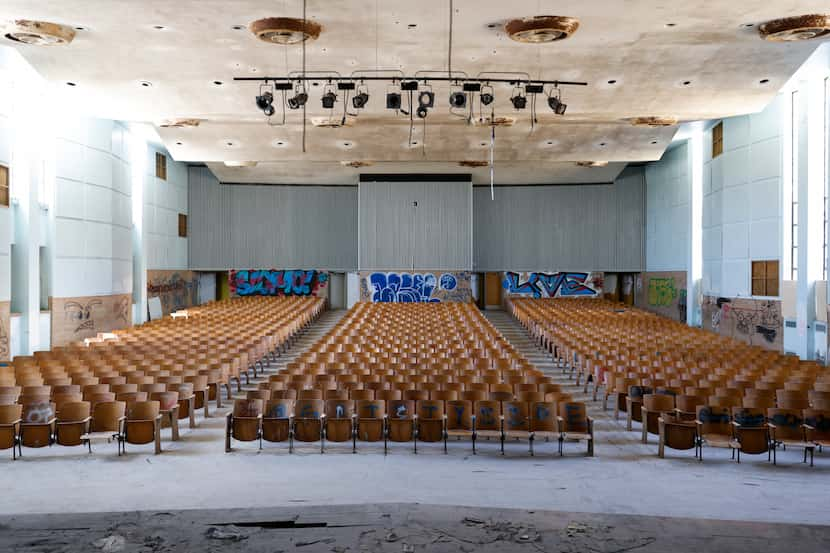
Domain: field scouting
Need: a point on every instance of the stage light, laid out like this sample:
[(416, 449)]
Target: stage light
[(393, 100), (268, 110), (487, 95), (556, 105), (360, 100), (298, 100), (519, 102), (422, 112), (264, 100), (458, 99), (328, 99), (426, 99)]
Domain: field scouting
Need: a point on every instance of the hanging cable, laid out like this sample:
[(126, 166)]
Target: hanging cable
[(492, 160), (304, 67), (449, 46)]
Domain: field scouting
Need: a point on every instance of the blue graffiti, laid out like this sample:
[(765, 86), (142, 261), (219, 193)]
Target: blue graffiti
[(400, 411), (278, 411), (448, 282), (277, 283), (548, 285), (542, 413), (459, 414), (403, 287), (487, 416)]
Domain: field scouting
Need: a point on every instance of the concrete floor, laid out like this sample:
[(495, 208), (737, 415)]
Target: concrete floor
[(625, 477), (396, 528)]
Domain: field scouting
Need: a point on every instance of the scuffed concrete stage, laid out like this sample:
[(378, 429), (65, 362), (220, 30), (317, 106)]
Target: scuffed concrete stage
[(396, 528)]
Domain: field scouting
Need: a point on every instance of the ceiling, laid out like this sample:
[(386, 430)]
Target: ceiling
[(690, 60)]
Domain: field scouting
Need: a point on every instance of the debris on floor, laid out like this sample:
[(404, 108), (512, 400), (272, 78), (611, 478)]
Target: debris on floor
[(228, 533), (110, 544)]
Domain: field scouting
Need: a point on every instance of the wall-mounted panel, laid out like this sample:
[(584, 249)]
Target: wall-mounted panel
[(415, 287), (266, 226), (418, 225), (542, 228), (74, 319), (664, 293)]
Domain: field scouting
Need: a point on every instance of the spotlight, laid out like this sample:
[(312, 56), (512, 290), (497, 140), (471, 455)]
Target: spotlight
[(458, 99), (268, 110), (487, 97), (556, 105), (264, 101), (298, 100), (519, 98), (393, 100), (360, 100), (328, 99), (426, 99), (422, 112)]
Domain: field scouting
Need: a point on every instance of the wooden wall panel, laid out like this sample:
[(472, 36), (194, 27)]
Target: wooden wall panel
[(74, 319)]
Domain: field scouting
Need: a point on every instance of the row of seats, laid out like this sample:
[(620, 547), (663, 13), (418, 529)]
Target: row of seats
[(114, 387), (666, 376), (409, 358)]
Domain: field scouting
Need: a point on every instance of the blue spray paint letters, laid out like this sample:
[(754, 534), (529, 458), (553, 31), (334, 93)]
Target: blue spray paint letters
[(403, 287), (548, 285)]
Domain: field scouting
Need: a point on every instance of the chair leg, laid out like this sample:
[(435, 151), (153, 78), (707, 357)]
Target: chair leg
[(561, 441), (191, 407), (530, 440)]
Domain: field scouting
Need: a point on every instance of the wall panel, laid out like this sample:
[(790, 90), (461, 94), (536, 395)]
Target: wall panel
[(533, 228), (233, 226), (395, 233)]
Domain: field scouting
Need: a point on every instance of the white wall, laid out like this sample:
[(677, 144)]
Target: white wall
[(93, 210), (742, 191), (164, 200), (668, 211)]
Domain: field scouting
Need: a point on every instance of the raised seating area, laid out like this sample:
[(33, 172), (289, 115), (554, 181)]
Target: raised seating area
[(408, 373), (687, 386), (125, 388)]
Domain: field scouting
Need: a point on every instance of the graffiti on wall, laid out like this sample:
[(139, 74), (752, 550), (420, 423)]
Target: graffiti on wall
[(273, 282), (663, 293), (74, 319), (415, 287), (176, 289), (552, 285), (5, 322), (757, 322)]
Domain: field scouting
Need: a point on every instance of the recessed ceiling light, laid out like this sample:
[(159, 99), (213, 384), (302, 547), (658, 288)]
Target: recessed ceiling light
[(492, 25), (178, 143), (285, 30), (159, 27), (79, 28), (238, 27), (602, 144), (483, 144), (612, 81), (278, 143), (145, 84), (412, 25), (230, 143), (686, 83), (671, 24), (70, 83), (550, 142), (747, 25), (654, 142), (218, 83), (764, 81)]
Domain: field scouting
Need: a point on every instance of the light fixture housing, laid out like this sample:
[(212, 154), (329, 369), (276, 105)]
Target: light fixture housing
[(329, 99), (458, 99), (541, 28), (422, 112), (426, 99), (487, 98), (393, 100), (798, 28), (555, 103), (518, 99), (298, 100), (264, 100), (285, 30), (360, 100)]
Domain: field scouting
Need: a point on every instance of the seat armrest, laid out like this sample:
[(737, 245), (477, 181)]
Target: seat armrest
[(808, 427), (771, 426), (13, 423), (87, 419)]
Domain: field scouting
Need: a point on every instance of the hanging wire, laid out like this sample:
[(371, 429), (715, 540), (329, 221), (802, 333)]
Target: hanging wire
[(305, 119), (449, 45), (492, 161)]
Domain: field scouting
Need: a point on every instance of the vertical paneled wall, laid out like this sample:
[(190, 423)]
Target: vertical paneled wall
[(93, 211), (415, 225), (668, 211), (235, 226), (581, 227), (742, 192), (164, 201)]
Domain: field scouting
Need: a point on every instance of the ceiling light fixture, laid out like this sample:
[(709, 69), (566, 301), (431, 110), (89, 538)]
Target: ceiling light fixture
[(329, 99), (285, 30), (426, 99), (518, 99), (792, 29), (360, 99), (39, 33), (299, 99), (265, 102), (541, 28), (487, 96)]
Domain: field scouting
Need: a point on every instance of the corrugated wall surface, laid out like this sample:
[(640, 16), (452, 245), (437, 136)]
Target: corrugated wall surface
[(581, 227), (234, 226), (395, 234)]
